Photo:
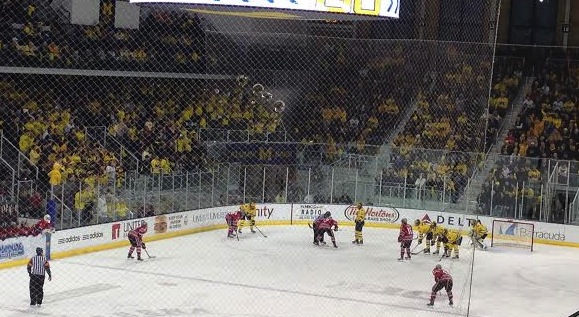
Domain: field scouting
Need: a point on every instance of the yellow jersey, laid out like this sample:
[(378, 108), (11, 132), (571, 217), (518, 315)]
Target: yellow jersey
[(479, 229), (360, 214), (249, 210), (453, 235)]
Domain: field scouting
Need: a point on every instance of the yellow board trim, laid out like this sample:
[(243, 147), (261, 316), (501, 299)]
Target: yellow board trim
[(174, 234)]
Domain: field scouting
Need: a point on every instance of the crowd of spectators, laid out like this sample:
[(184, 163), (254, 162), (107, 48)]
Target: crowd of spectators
[(435, 152), (545, 130), (360, 95), (32, 35)]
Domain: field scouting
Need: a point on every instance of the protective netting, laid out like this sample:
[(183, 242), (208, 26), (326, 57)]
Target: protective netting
[(113, 116)]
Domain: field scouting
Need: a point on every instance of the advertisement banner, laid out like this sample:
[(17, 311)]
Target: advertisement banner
[(20, 248), (120, 230), (64, 240), (374, 214), (262, 153), (308, 211), (382, 8)]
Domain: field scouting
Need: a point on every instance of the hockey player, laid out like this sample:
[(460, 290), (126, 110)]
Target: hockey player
[(315, 228), (452, 240), (42, 226), (442, 279), (250, 212), (232, 220), (324, 225), (437, 235), (136, 239), (478, 233), (424, 231), (359, 224), (405, 238)]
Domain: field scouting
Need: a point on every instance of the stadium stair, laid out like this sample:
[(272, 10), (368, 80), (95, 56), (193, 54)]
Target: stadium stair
[(469, 198)]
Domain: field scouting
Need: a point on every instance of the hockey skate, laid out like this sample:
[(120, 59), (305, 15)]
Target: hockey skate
[(408, 257), (431, 303), (426, 251), (450, 303), (334, 243), (139, 259), (316, 243), (455, 256), (435, 252), (130, 256), (253, 231), (231, 235)]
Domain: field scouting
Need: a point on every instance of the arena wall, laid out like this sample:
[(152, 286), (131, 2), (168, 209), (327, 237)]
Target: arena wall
[(71, 242)]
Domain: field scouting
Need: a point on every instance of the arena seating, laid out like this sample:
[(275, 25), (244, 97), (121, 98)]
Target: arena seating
[(439, 140), (165, 41), (545, 129)]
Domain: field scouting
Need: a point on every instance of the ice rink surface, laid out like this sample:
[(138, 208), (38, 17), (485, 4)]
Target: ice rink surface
[(207, 274)]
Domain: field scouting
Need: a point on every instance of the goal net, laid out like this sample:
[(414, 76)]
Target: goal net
[(512, 234)]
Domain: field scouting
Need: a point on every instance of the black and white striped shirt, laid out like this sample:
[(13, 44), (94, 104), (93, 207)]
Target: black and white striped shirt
[(38, 265)]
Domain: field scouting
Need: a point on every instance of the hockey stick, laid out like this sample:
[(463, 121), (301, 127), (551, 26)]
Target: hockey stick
[(260, 231), (416, 246), (310, 225), (150, 256)]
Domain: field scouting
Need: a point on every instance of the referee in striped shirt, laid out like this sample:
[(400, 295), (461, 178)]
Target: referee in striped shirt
[(37, 268)]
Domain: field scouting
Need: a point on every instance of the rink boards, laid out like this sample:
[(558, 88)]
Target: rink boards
[(65, 243)]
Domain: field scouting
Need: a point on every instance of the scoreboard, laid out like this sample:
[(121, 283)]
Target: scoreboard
[(378, 8)]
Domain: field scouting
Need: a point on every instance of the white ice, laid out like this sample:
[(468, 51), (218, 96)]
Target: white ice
[(285, 275)]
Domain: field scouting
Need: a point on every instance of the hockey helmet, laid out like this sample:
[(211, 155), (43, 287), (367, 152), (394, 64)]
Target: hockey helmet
[(433, 225), (327, 214), (47, 218), (404, 220), (438, 267), (359, 205), (417, 222), (39, 251)]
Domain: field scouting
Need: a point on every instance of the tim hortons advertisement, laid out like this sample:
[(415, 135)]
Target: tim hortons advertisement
[(374, 214), (308, 212)]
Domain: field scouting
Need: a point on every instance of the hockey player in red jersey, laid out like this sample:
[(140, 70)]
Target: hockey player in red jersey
[(442, 280), (42, 226), (232, 220), (405, 238), (324, 225), (315, 228), (136, 239)]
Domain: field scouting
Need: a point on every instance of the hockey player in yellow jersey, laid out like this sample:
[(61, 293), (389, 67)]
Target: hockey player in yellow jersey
[(478, 233), (250, 212), (424, 231), (452, 240), (359, 219), (437, 235)]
